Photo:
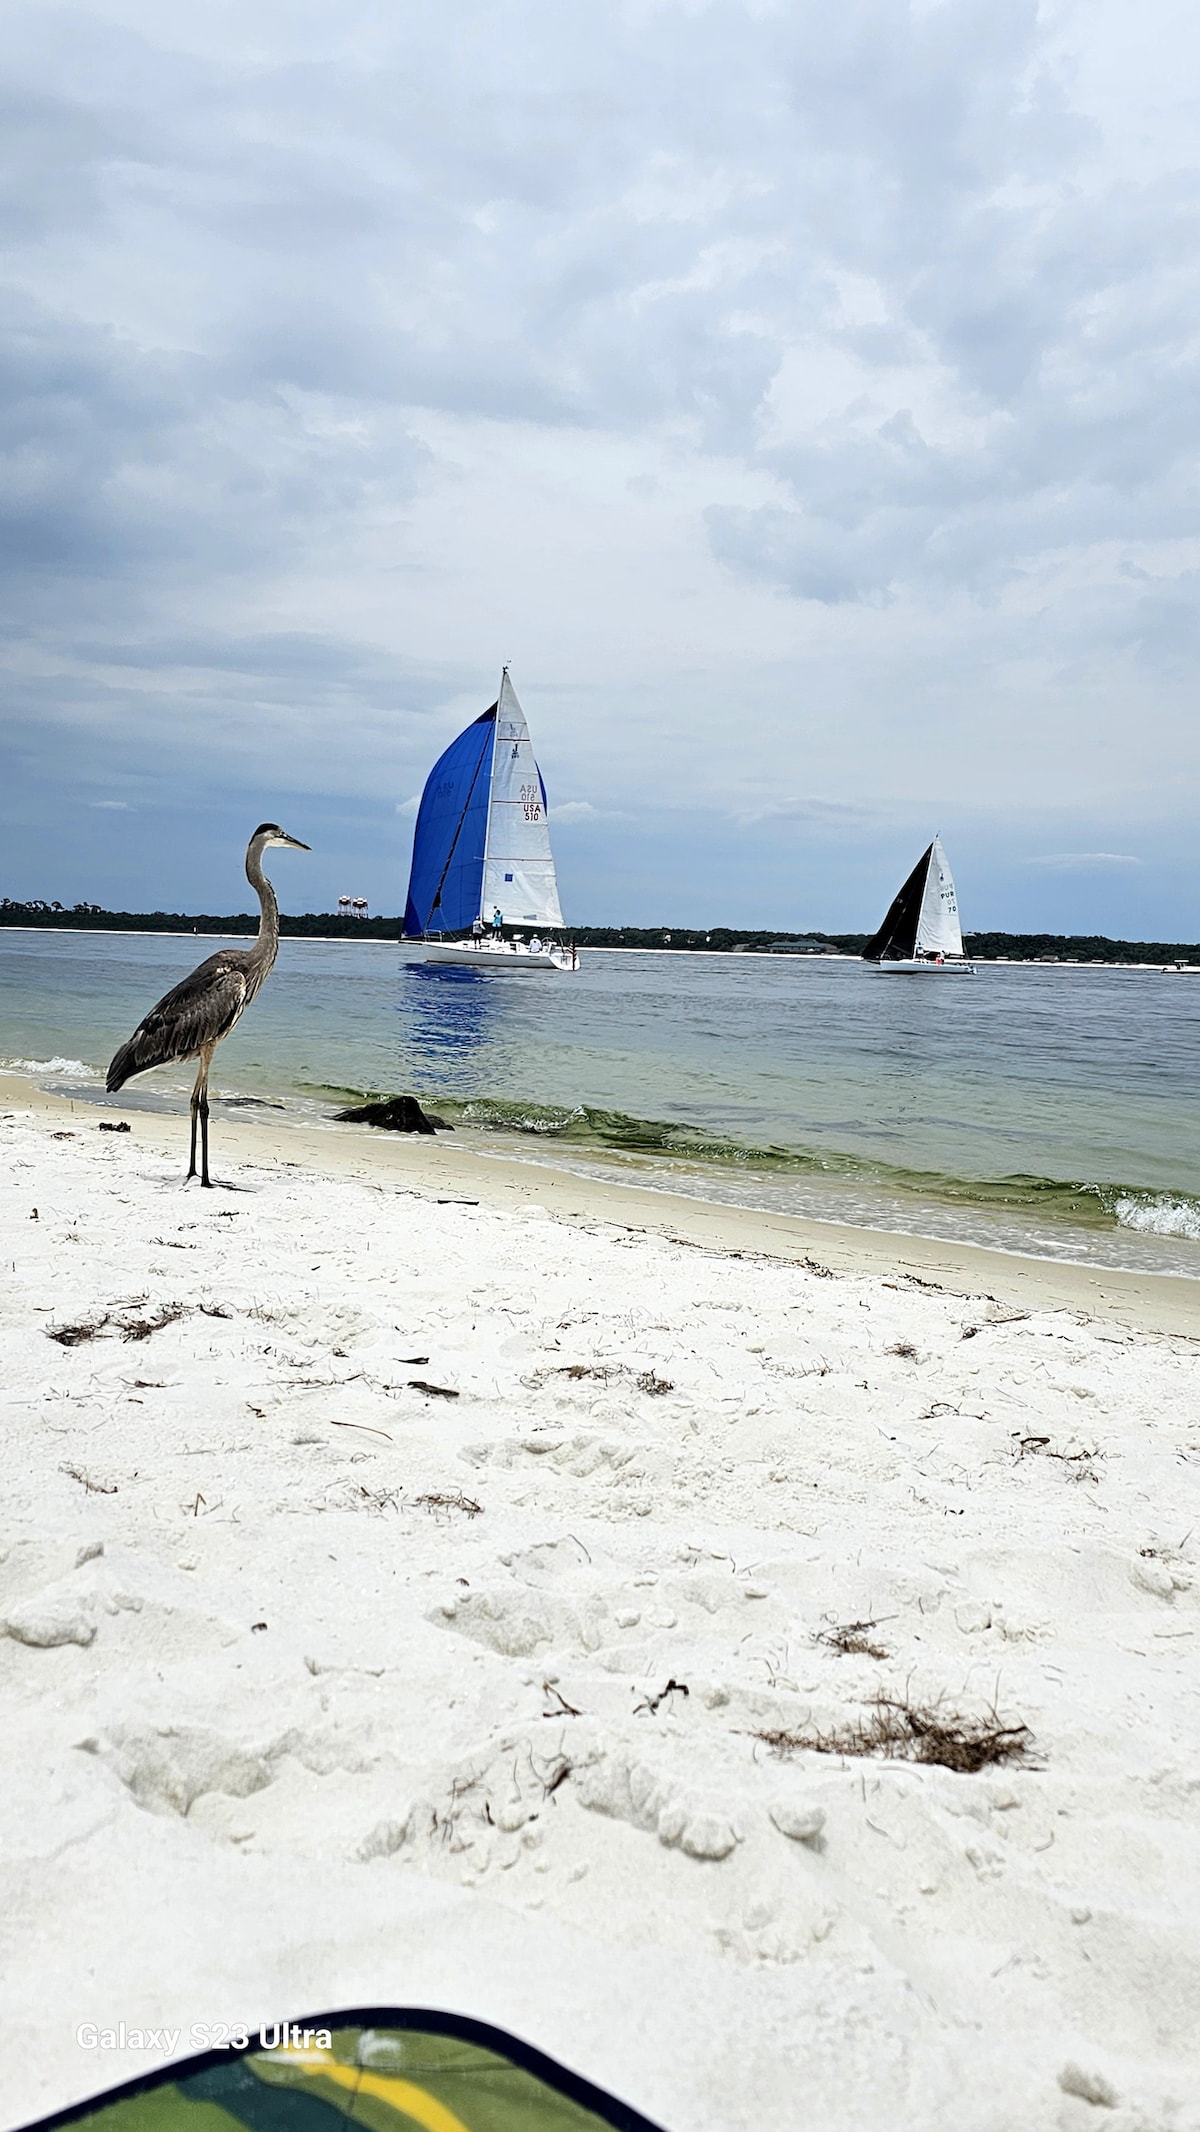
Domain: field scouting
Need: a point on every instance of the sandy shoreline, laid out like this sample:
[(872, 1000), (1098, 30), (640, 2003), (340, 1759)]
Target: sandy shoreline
[(322, 1688), (1150, 1302)]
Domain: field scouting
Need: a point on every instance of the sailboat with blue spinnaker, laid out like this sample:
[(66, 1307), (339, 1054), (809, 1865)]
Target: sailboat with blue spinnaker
[(482, 867)]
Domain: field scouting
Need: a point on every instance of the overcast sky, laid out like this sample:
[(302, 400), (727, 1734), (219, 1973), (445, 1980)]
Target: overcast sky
[(802, 398)]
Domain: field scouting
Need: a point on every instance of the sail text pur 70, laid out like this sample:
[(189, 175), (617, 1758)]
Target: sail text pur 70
[(481, 861), (921, 932)]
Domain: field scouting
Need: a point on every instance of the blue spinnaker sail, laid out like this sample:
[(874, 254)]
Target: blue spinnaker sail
[(446, 881)]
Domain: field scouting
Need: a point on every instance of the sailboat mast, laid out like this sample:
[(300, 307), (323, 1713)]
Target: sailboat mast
[(915, 949), (487, 832)]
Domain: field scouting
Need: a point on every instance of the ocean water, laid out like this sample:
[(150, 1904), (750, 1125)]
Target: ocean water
[(1044, 1109)]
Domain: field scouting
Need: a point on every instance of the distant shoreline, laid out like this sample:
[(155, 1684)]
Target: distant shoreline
[(174, 932), (1184, 961)]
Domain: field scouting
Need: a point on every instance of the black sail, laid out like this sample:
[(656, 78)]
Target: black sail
[(896, 940)]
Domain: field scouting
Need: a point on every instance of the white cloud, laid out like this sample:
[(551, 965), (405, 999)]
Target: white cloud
[(1084, 862), (572, 811), (113, 806), (815, 813), (409, 808)]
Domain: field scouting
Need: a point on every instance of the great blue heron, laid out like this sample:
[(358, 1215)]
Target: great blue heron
[(189, 1022)]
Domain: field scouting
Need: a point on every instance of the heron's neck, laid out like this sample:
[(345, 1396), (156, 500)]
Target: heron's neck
[(266, 946)]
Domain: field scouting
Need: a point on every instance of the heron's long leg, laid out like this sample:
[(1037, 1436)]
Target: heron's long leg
[(204, 1176), (195, 1113)]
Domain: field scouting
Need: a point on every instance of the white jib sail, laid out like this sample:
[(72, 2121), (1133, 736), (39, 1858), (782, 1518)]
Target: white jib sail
[(518, 867), (938, 929)]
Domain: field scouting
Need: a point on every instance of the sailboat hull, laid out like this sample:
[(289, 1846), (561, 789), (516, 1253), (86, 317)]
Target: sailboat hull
[(911, 967), (496, 955)]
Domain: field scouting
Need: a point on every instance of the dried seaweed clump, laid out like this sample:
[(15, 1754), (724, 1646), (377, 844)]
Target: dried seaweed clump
[(656, 1386), (396, 1114), (851, 1639), (447, 1499), (75, 1335), (894, 1731), (1077, 1465), (129, 1328), (646, 1380)]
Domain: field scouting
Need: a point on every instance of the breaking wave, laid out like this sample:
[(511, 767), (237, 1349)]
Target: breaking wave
[(1077, 1203), (1159, 1214), (75, 1066)]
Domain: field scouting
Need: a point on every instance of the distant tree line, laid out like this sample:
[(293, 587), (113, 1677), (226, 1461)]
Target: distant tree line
[(1076, 947), (91, 917), (718, 939), (1017, 947)]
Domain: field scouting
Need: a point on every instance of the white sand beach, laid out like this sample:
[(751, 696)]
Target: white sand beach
[(323, 1688)]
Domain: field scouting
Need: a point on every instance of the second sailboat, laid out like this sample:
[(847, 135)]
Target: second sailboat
[(922, 931)]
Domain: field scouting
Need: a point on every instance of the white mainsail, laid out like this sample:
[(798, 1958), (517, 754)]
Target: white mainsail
[(518, 866), (938, 928)]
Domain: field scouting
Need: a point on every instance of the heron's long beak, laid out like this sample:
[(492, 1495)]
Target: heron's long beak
[(294, 844)]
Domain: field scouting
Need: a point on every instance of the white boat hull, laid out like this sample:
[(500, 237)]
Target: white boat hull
[(497, 955), (921, 968)]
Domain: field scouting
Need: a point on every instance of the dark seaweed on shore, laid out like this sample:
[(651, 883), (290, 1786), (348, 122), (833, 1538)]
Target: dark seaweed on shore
[(895, 1730), (394, 1114)]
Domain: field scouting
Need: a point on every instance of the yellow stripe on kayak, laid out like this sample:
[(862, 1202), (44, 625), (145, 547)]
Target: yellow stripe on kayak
[(417, 2103)]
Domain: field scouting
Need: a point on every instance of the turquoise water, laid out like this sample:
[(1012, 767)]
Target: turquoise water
[(1035, 1108)]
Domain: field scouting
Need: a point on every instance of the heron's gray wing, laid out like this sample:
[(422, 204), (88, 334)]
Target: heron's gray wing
[(197, 1012)]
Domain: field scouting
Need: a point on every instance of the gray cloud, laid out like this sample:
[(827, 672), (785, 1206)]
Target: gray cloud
[(126, 478)]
